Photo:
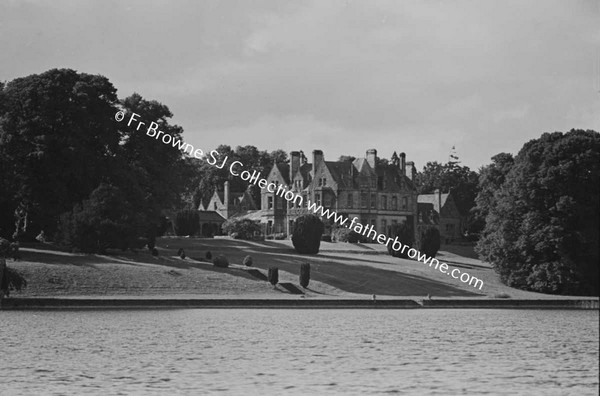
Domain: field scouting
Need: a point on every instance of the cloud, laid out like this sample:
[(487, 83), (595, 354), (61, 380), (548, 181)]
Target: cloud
[(343, 76)]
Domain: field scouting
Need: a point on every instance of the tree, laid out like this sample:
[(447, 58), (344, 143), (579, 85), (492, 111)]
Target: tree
[(542, 226), (346, 158), (105, 220), (430, 241), (152, 174), (450, 176), (57, 137), (406, 236), (491, 178), (187, 222), (306, 237)]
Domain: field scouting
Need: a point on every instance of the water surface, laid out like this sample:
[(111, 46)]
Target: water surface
[(294, 351)]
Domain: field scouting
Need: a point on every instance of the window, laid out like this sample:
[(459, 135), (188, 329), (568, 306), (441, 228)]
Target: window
[(318, 198), (320, 182), (363, 200), (404, 203), (384, 202), (215, 205), (373, 183), (394, 203), (384, 226), (269, 202), (373, 201), (324, 181), (279, 203), (350, 200)]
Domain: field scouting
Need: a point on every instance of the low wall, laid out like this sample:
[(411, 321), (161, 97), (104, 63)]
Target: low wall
[(154, 303)]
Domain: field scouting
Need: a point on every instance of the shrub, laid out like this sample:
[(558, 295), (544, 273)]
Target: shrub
[(247, 261), (154, 252), (326, 238), (273, 276), (181, 253), (187, 222), (151, 243), (241, 228), (307, 234), (343, 234), (105, 220), (406, 236), (221, 261), (208, 255), (280, 235), (430, 241), (304, 274)]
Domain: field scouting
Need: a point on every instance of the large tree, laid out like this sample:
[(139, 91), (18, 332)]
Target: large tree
[(59, 142), (542, 225), (56, 140)]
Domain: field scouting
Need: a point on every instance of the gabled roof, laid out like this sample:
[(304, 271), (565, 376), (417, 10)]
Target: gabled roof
[(284, 169), (433, 199)]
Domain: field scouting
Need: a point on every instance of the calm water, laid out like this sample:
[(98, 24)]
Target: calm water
[(421, 352)]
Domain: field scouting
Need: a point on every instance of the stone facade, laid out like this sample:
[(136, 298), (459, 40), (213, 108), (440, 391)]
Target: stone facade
[(377, 194)]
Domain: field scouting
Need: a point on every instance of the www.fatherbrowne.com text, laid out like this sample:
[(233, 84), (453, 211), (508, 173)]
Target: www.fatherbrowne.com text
[(236, 168)]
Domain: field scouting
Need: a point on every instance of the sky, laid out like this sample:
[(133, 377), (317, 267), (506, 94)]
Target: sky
[(342, 76)]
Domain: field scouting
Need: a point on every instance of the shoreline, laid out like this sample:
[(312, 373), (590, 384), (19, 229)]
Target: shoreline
[(58, 303)]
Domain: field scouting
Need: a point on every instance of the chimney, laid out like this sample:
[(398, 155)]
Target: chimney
[(226, 199), (438, 198), (372, 158), (317, 159), (294, 165), (411, 171), (402, 164)]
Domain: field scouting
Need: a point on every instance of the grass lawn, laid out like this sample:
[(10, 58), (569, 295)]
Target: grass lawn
[(339, 270)]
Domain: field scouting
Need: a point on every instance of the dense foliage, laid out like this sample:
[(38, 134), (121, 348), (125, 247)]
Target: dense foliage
[(241, 228), (103, 221), (406, 236), (59, 143), (187, 222), (430, 241), (306, 237), (343, 234), (542, 223), (247, 261)]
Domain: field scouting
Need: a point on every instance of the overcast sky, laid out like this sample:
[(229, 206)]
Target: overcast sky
[(342, 76)]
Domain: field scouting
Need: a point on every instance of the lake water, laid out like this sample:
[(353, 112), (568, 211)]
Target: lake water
[(310, 352)]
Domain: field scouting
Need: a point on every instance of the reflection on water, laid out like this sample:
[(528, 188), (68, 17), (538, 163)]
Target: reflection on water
[(236, 351)]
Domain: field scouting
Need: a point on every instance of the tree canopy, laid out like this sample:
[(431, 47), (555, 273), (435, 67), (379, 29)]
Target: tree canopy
[(59, 143), (543, 221)]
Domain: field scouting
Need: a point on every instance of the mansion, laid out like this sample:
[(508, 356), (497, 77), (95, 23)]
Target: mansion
[(377, 193)]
